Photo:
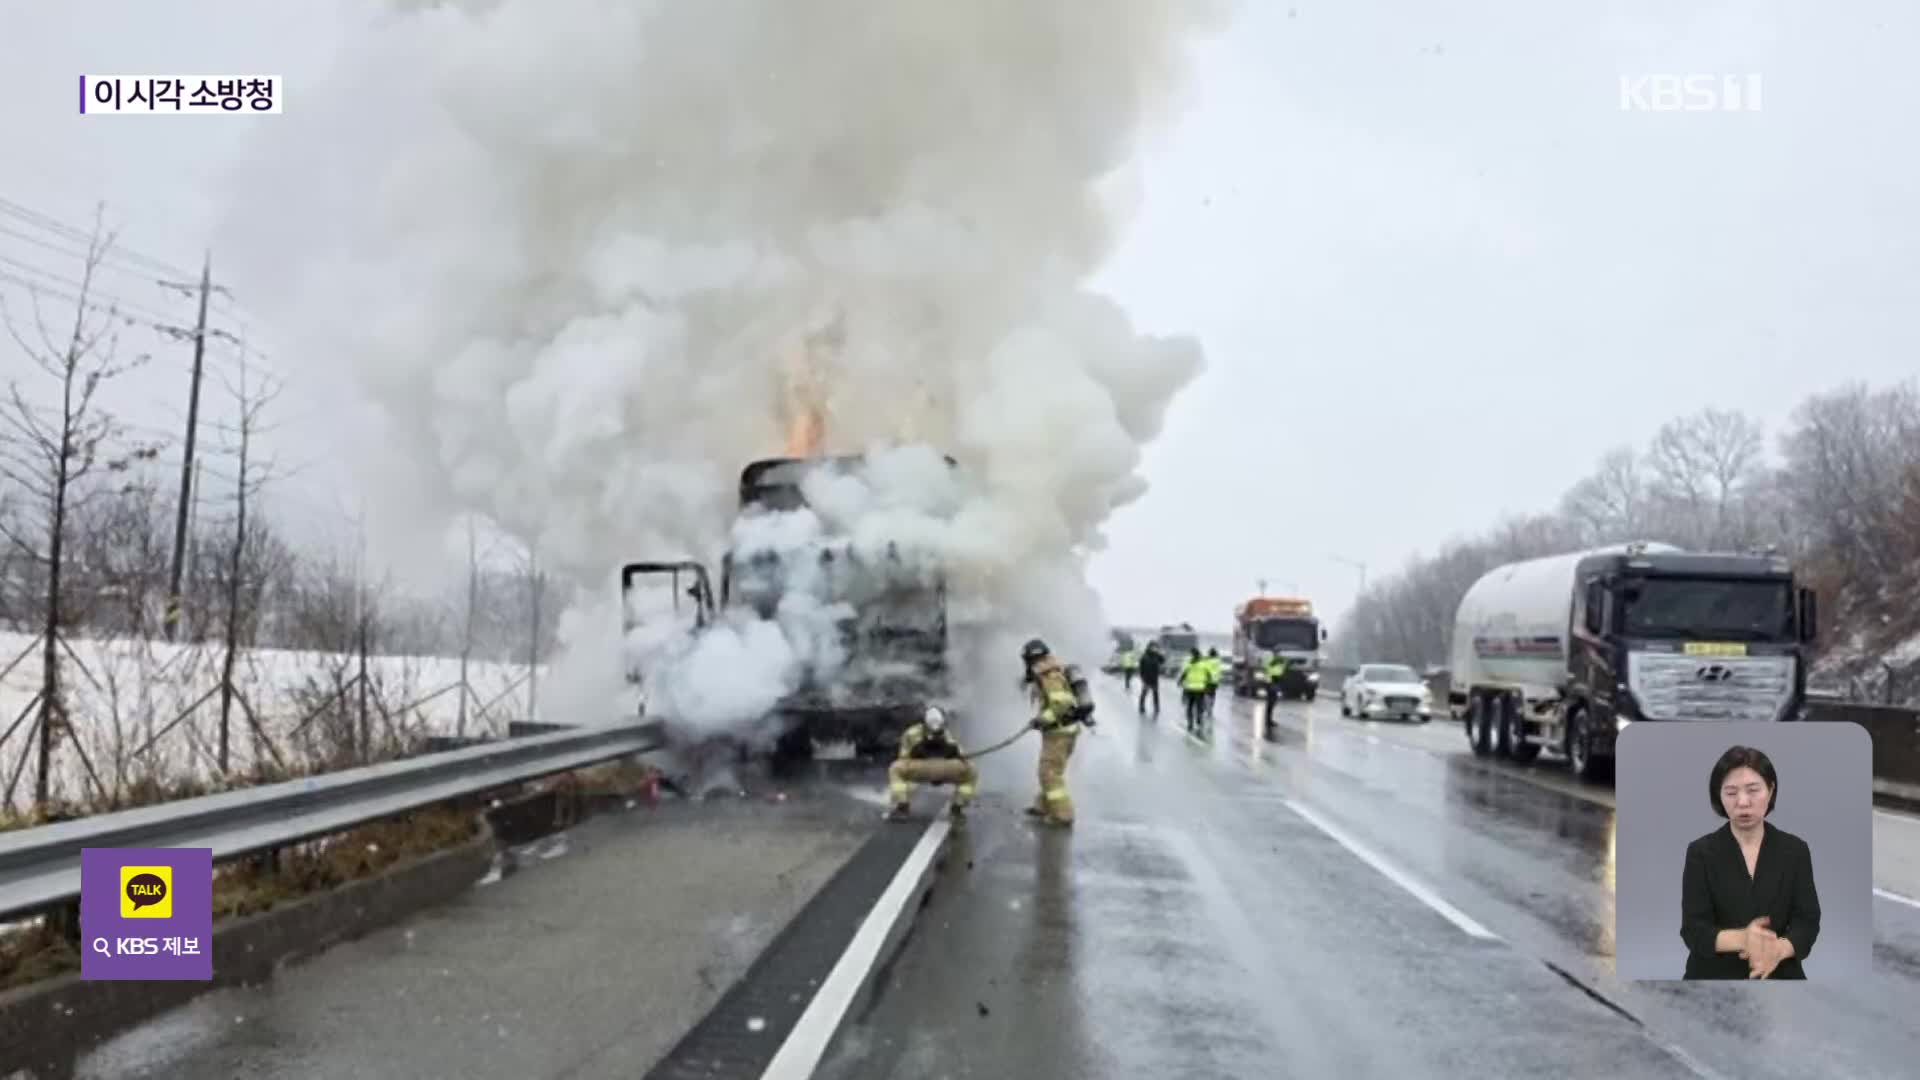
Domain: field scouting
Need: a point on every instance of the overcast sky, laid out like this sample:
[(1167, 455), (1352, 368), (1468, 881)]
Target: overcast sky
[(1435, 267)]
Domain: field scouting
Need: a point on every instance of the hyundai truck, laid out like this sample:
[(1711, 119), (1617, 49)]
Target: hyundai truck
[(1562, 653)]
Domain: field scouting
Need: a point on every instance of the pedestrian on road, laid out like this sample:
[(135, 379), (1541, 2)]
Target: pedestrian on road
[(1216, 671), (1129, 663), (1057, 719), (1275, 671), (1152, 664), (928, 755), (1193, 689)]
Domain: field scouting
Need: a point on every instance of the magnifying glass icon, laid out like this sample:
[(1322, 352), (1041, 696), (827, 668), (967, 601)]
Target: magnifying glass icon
[(100, 946)]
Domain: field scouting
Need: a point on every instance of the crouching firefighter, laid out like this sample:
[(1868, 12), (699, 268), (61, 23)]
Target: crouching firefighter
[(1062, 702), (928, 755)]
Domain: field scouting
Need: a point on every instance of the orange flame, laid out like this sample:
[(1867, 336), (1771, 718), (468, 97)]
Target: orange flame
[(806, 429), (805, 399)]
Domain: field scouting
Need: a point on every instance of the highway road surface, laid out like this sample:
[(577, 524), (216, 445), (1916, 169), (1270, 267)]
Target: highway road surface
[(1345, 898), (1338, 898)]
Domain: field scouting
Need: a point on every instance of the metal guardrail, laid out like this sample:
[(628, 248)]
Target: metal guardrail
[(40, 866)]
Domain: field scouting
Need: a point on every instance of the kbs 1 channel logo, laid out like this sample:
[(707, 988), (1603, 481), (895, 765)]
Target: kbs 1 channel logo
[(146, 913), (182, 95)]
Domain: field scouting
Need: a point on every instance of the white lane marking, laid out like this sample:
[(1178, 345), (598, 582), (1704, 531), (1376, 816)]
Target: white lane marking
[(1692, 1064), (1419, 891), (1889, 894), (806, 1044)]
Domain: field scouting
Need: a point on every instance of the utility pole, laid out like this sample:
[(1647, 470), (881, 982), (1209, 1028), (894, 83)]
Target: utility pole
[(533, 648), (360, 625), (199, 335), (1357, 565), (466, 642)]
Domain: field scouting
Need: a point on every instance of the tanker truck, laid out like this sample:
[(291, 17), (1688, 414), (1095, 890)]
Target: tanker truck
[(1562, 653)]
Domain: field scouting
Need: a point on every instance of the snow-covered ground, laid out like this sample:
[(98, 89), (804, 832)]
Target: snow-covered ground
[(123, 694), (1891, 676)]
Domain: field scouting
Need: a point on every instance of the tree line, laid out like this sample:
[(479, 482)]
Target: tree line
[(95, 547), (1838, 491)]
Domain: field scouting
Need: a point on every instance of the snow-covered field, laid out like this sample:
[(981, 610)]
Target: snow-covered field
[(124, 694)]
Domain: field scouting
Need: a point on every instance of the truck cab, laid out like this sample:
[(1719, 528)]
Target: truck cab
[(1284, 626), (1644, 634), (894, 641)]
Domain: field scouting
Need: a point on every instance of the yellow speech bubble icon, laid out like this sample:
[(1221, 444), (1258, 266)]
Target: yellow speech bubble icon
[(146, 892)]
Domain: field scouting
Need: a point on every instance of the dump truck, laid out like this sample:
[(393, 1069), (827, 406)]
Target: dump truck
[(1562, 653), (894, 639), (1283, 625)]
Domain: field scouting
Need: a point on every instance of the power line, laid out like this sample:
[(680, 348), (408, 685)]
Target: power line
[(107, 260), (90, 289), (56, 226), (115, 250), (37, 288)]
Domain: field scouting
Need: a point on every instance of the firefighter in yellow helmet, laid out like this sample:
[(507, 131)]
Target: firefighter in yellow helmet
[(928, 755), (1059, 711)]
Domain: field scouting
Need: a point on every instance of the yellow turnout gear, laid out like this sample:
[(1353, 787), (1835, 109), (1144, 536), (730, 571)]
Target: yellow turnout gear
[(928, 759), (1054, 704)]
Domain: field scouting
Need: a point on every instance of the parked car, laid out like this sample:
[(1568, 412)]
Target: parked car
[(1378, 691)]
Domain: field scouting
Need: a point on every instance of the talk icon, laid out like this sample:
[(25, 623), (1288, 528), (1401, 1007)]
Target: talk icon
[(146, 892)]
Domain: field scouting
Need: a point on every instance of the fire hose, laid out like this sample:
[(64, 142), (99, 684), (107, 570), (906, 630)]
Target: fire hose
[(1015, 737)]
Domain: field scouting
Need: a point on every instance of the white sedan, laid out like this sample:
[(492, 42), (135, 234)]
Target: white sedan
[(1383, 690)]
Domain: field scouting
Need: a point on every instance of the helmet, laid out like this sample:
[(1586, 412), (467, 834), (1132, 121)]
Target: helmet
[(1033, 650), (935, 718)]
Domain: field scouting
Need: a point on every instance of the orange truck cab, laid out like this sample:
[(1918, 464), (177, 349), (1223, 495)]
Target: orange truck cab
[(1283, 625)]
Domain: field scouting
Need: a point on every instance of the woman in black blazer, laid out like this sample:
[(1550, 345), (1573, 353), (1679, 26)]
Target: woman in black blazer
[(1748, 908)]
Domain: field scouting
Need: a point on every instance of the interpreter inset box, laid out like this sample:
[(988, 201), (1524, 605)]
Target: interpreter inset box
[(1743, 851)]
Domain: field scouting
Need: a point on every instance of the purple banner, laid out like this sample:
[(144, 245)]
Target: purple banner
[(146, 913)]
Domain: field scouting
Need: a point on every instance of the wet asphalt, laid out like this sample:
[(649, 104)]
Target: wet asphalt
[(1201, 921), (607, 944), (1209, 916)]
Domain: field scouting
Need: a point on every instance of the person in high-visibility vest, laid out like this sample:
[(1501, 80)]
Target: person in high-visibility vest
[(1194, 679), (1129, 663), (1216, 671), (1274, 670)]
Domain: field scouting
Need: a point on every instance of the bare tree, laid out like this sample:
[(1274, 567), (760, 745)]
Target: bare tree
[(1702, 466), (1847, 463), (1613, 503), (250, 475), (52, 455)]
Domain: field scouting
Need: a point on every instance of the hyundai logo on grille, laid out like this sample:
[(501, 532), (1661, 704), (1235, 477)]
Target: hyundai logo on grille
[(1713, 673)]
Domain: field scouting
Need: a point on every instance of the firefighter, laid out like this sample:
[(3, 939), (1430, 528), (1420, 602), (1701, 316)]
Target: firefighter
[(1193, 689), (1274, 671), (928, 755), (1057, 718)]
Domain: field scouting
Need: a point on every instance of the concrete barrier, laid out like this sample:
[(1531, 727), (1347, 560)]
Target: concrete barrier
[(1896, 743)]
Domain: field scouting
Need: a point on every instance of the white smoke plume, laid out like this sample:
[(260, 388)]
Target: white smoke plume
[(587, 258)]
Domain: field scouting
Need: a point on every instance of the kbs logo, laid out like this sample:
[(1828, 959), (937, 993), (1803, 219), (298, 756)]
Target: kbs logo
[(1689, 93)]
